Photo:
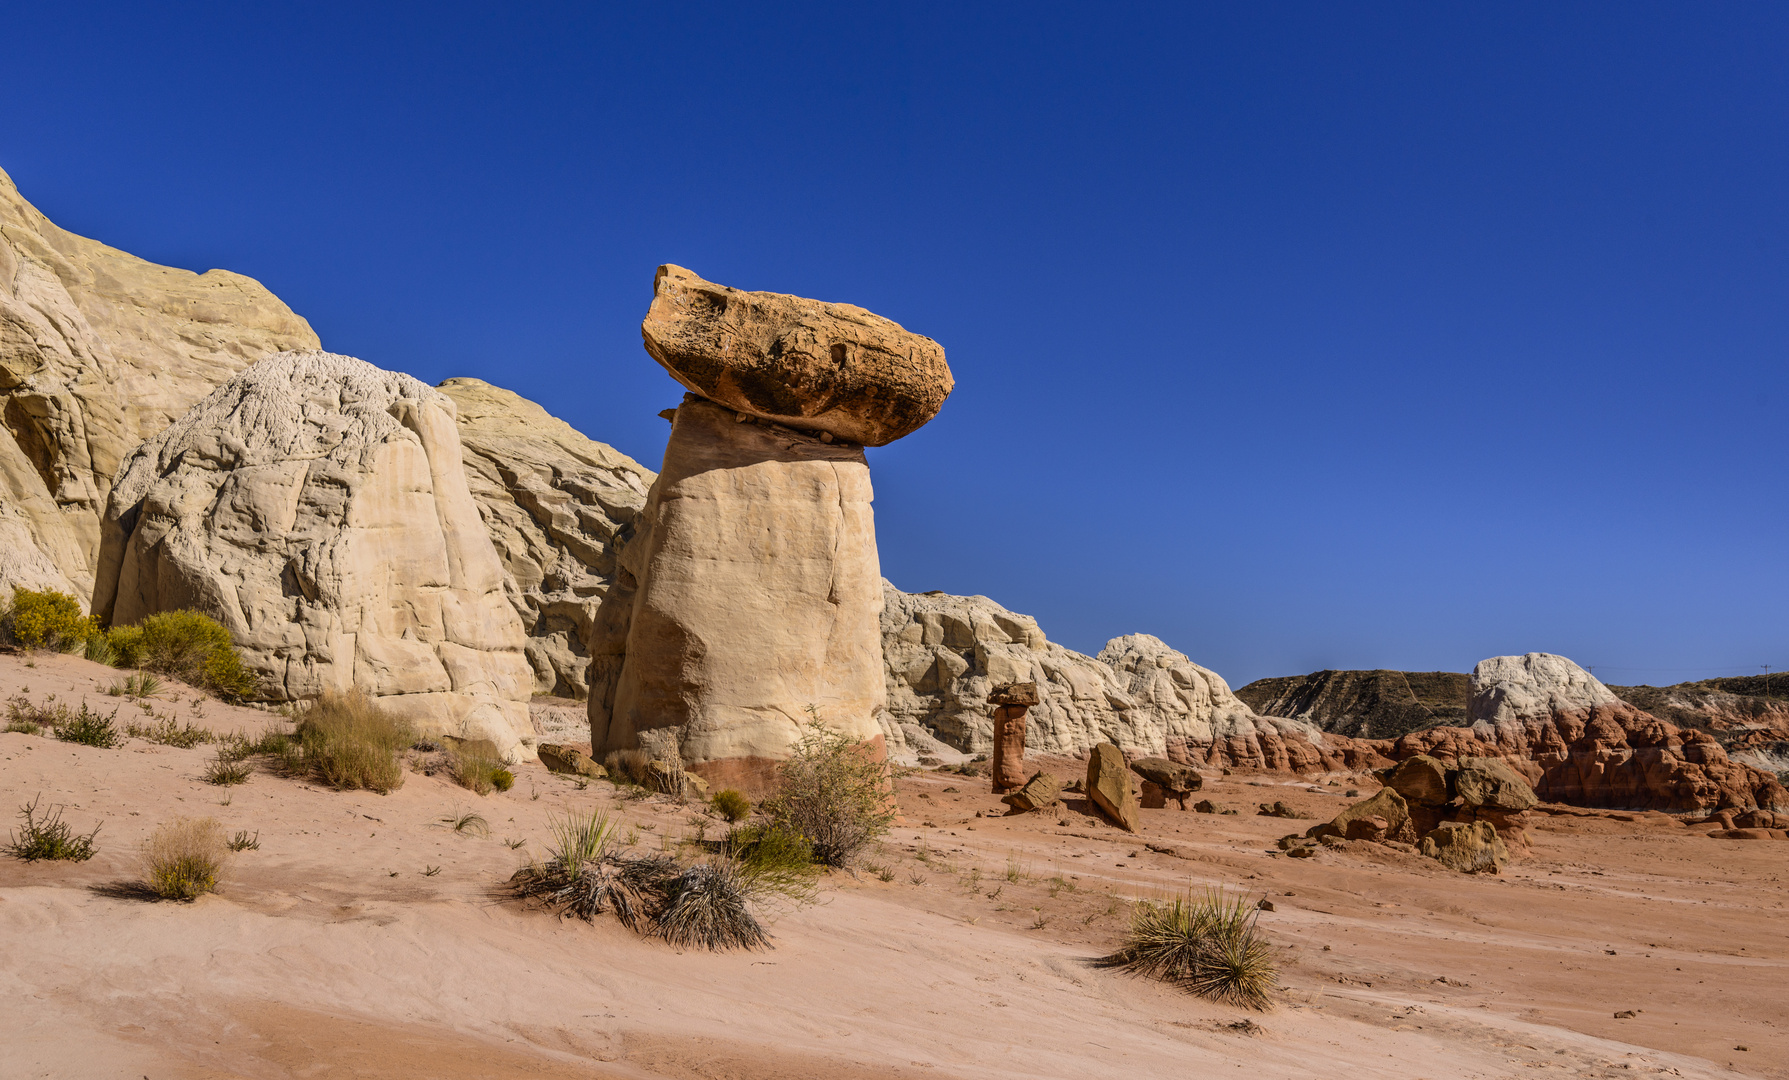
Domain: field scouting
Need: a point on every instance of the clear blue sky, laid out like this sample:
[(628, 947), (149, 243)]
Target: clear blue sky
[(1299, 335)]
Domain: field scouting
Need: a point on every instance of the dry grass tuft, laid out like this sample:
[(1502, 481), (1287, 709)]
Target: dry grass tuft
[(1207, 943), (708, 908), (184, 859), (347, 741)]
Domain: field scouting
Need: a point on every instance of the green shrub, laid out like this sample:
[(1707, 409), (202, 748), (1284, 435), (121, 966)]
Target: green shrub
[(48, 620), (502, 779), (185, 645), (184, 858), (99, 649), (88, 728), (227, 768), (1207, 943), (51, 838), (835, 792), (169, 733), (772, 859), (347, 741), (731, 804)]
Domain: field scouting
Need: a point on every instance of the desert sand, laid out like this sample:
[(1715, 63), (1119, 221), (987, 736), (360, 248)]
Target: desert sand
[(336, 950)]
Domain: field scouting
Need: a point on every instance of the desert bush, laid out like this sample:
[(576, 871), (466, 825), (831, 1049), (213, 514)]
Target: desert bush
[(473, 770), (242, 841), (731, 804), (502, 779), (227, 769), (707, 906), (48, 620), (347, 741), (185, 645), (24, 717), (184, 858), (49, 838), (1207, 943), (834, 791), (88, 728)]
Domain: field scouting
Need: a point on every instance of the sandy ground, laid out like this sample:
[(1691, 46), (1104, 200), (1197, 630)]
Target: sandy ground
[(338, 950)]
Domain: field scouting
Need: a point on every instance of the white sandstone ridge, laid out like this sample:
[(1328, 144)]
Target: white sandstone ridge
[(100, 350), (1528, 688), (318, 507), (942, 654), (559, 507)]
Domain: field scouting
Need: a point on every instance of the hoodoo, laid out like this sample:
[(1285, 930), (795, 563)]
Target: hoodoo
[(757, 591)]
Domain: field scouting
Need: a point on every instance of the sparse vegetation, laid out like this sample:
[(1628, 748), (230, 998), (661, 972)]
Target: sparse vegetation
[(88, 728), (772, 859), (834, 791), (168, 732), (708, 907), (477, 771), (49, 838), (242, 841), (140, 685), (99, 650), (1207, 943), (227, 769), (184, 859), (47, 620), (502, 779), (731, 804), (346, 741), (465, 821)]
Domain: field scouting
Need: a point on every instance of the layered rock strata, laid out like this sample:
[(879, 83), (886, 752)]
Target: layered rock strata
[(943, 654), (318, 507), (1576, 742), (815, 366), (559, 507), (1363, 704), (758, 594), (100, 350)]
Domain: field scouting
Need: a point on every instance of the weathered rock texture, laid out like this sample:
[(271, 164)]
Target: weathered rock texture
[(834, 368), (1109, 786), (1363, 704), (944, 653), (559, 507), (1576, 742), (1748, 715), (758, 594), (98, 351), (317, 506)]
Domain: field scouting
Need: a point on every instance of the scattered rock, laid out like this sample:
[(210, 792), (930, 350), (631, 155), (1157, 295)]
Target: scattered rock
[(1109, 786), (1473, 848), (1206, 806), (564, 758), (1277, 809), (1170, 779), (1627, 1014), (1264, 904), (1040, 791)]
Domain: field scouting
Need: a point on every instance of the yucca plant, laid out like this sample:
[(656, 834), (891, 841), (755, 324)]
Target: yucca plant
[(1206, 942)]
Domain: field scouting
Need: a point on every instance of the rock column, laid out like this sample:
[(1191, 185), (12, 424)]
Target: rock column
[(1011, 702)]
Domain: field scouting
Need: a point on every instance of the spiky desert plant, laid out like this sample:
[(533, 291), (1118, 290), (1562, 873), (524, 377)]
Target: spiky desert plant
[(1206, 942), (184, 858), (708, 908)]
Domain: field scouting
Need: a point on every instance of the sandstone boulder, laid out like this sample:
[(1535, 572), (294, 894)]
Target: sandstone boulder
[(1178, 779), (317, 507), (559, 507), (1038, 792), (1109, 786), (100, 350), (1575, 742), (1491, 784), (562, 758), (758, 596), (1421, 779), (832, 368), (1470, 848), (1385, 816)]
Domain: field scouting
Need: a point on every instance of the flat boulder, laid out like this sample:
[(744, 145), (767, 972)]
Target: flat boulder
[(808, 364), (565, 758), (1493, 785), (1170, 776), (1036, 793), (1109, 786), (1385, 814), (1469, 847)]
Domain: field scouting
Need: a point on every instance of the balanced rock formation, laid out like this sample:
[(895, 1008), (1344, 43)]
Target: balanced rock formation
[(758, 594), (811, 365), (944, 654), (100, 350), (559, 508), (1576, 742), (317, 506)]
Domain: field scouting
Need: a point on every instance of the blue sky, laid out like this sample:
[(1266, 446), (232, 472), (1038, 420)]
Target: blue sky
[(1299, 335)]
